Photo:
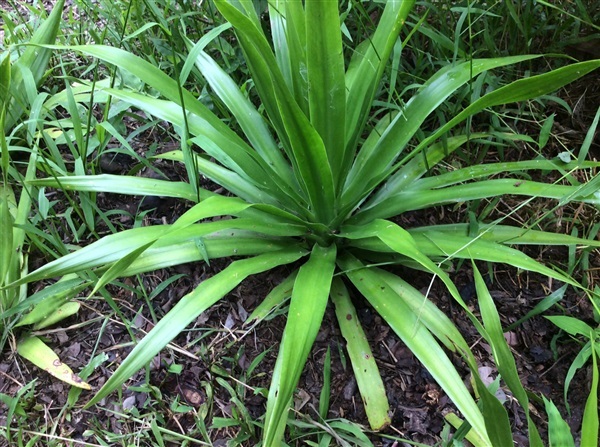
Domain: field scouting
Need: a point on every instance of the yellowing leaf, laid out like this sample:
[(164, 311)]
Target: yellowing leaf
[(38, 353)]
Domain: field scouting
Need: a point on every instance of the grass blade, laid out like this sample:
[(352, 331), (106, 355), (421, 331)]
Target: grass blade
[(504, 360), (275, 298), (303, 144), (246, 115), (34, 61), (309, 299), (432, 317), (415, 335), (121, 184), (374, 164), (187, 309), (365, 369), (589, 427), (505, 234), (559, 433), (326, 85), (366, 70), (415, 199)]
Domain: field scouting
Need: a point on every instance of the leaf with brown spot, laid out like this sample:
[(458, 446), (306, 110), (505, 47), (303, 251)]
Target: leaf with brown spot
[(38, 353)]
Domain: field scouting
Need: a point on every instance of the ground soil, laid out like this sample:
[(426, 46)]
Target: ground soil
[(215, 352)]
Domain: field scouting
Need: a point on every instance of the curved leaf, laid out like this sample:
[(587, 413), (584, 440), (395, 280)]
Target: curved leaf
[(416, 336), (372, 167), (187, 309), (38, 353), (415, 199), (520, 90)]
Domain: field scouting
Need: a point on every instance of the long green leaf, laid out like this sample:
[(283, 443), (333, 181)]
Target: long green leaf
[(506, 234), (187, 309), (415, 335), (437, 244), (375, 165), (253, 179), (495, 415), (59, 292), (218, 138), (307, 307), (246, 115), (401, 241), (120, 184), (288, 31), (415, 199), (276, 297), (366, 70), (559, 433), (326, 84), (505, 361), (432, 317), (260, 60), (589, 426), (520, 90), (302, 142), (488, 170), (33, 62), (370, 385), (192, 247)]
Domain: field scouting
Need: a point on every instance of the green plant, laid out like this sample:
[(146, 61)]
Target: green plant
[(578, 328), (21, 71), (26, 70), (321, 193), (559, 432)]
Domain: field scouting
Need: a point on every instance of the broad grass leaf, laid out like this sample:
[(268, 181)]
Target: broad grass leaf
[(66, 310), (307, 307), (6, 241), (589, 426), (116, 270), (326, 81), (520, 90), (123, 185), (559, 433), (302, 142), (402, 242), (505, 362), (429, 314), (182, 247), (288, 33), (27, 72), (416, 198), (495, 416), (433, 243), (374, 166), (47, 300), (188, 308), (506, 234), (325, 395), (571, 325), (275, 298), (471, 173), (249, 119), (415, 335), (366, 69), (368, 378)]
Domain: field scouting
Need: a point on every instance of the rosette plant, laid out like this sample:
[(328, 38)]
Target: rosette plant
[(313, 180)]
